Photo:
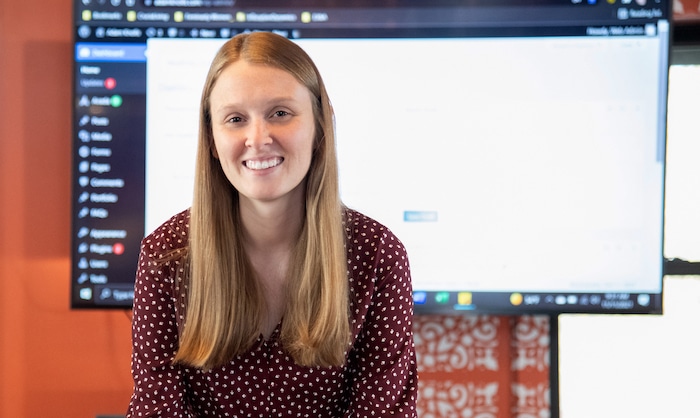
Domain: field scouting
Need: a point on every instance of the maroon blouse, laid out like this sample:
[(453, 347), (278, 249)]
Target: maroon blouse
[(378, 379)]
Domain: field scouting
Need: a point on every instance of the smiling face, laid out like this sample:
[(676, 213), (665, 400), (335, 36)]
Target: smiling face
[(263, 126)]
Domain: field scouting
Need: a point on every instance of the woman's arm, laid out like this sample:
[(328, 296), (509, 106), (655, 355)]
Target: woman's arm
[(159, 388), (383, 359)]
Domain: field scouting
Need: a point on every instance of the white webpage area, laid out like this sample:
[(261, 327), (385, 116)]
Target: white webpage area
[(529, 164)]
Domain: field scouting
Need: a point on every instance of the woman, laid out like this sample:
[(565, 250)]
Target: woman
[(268, 297)]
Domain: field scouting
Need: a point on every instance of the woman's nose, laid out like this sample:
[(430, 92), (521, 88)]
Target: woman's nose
[(258, 133)]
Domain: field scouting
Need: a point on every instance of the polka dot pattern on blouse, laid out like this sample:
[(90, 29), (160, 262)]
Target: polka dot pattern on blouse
[(379, 378)]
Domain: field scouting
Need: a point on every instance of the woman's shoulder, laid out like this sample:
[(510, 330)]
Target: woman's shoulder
[(354, 219), (378, 263), (170, 236), (362, 229)]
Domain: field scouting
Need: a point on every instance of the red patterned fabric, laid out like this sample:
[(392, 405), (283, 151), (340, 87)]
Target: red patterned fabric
[(482, 366)]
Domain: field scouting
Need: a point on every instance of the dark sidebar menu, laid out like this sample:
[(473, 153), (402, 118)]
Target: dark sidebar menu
[(109, 173)]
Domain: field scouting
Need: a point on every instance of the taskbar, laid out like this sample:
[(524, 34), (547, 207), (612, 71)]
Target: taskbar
[(517, 303)]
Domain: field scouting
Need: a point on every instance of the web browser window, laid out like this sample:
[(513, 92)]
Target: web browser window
[(519, 156)]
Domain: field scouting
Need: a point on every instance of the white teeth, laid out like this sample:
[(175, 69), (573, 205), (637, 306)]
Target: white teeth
[(262, 165)]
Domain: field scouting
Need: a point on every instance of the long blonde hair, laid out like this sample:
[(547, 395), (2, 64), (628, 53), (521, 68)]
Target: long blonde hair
[(225, 306)]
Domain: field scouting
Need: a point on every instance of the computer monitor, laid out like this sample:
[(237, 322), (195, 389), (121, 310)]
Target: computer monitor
[(516, 148)]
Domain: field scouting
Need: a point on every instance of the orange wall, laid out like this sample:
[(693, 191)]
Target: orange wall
[(686, 11), (54, 362)]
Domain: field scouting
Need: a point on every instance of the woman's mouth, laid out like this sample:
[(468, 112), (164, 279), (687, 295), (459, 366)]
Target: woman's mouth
[(263, 164)]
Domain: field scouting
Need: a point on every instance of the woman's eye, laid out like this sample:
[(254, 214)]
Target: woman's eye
[(280, 113), (235, 119)]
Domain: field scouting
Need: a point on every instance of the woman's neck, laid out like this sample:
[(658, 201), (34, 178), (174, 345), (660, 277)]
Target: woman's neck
[(268, 226), (270, 233)]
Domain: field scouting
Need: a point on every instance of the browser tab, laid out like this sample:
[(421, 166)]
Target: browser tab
[(153, 16), (102, 16), (207, 17), (268, 17)]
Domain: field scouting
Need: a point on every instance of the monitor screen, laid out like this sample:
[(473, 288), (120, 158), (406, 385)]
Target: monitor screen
[(517, 148)]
